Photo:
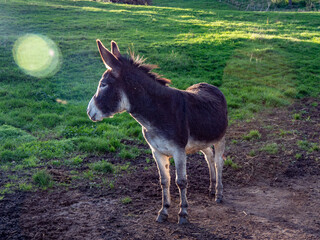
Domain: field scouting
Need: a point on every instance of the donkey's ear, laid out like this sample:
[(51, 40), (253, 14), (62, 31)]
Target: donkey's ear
[(110, 60), (115, 49)]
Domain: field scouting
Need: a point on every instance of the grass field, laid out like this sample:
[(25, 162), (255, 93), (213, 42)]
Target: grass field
[(259, 60)]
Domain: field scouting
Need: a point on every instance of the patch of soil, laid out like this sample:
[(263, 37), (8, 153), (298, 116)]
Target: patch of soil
[(10, 213), (271, 195)]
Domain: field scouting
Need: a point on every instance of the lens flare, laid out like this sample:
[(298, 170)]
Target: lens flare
[(37, 55)]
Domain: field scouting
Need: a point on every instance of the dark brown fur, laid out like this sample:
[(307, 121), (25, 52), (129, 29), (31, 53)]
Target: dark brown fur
[(200, 111)]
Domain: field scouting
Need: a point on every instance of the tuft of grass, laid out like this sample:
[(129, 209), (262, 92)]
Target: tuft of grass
[(252, 153), (271, 148), (131, 153), (126, 154), (314, 147), (8, 188), (126, 200), (253, 134), (56, 163), (76, 161), (103, 166), (233, 141), (111, 185), (298, 156), (296, 116), (43, 179), (284, 132), (308, 146), (25, 186), (229, 162), (303, 144), (124, 167), (291, 92), (88, 175)]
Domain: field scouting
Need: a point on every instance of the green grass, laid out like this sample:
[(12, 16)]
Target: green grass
[(252, 153), (270, 148), (284, 133), (25, 187), (253, 134), (76, 161), (103, 166), (260, 60), (88, 175), (43, 179), (129, 153), (229, 162), (308, 146), (296, 116), (126, 200), (31, 162)]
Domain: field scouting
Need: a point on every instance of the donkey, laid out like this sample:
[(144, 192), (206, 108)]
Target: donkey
[(174, 122)]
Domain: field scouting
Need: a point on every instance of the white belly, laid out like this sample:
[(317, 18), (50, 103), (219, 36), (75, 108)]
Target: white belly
[(195, 146)]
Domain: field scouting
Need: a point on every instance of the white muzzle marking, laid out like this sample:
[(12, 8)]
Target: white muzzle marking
[(96, 115), (93, 112)]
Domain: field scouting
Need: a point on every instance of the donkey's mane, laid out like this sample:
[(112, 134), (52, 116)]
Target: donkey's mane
[(139, 62)]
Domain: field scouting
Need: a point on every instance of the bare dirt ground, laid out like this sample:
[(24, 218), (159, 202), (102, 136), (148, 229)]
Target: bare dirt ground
[(274, 194)]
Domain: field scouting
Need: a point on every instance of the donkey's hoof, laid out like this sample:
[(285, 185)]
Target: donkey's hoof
[(162, 218), (183, 220), (212, 194), (218, 200)]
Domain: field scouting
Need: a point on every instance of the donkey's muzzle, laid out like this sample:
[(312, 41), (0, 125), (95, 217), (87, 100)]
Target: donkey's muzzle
[(93, 112)]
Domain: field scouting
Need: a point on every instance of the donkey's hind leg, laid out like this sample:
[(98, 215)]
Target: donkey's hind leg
[(208, 155), (218, 161)]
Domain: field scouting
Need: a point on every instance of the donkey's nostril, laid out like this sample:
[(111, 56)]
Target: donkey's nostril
[(88, 112)]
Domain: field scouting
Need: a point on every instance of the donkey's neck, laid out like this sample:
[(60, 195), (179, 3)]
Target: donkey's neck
[(150, 102)]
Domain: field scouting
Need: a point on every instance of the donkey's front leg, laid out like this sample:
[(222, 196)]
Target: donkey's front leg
[(181, 181), (163, 167)]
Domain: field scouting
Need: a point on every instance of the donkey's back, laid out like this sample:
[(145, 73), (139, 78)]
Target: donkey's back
[(206, 112)]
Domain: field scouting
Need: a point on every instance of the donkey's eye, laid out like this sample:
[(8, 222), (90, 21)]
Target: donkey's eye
[(103, 84)]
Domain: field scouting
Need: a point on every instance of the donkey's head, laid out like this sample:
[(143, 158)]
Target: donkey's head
[(110, 97)]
